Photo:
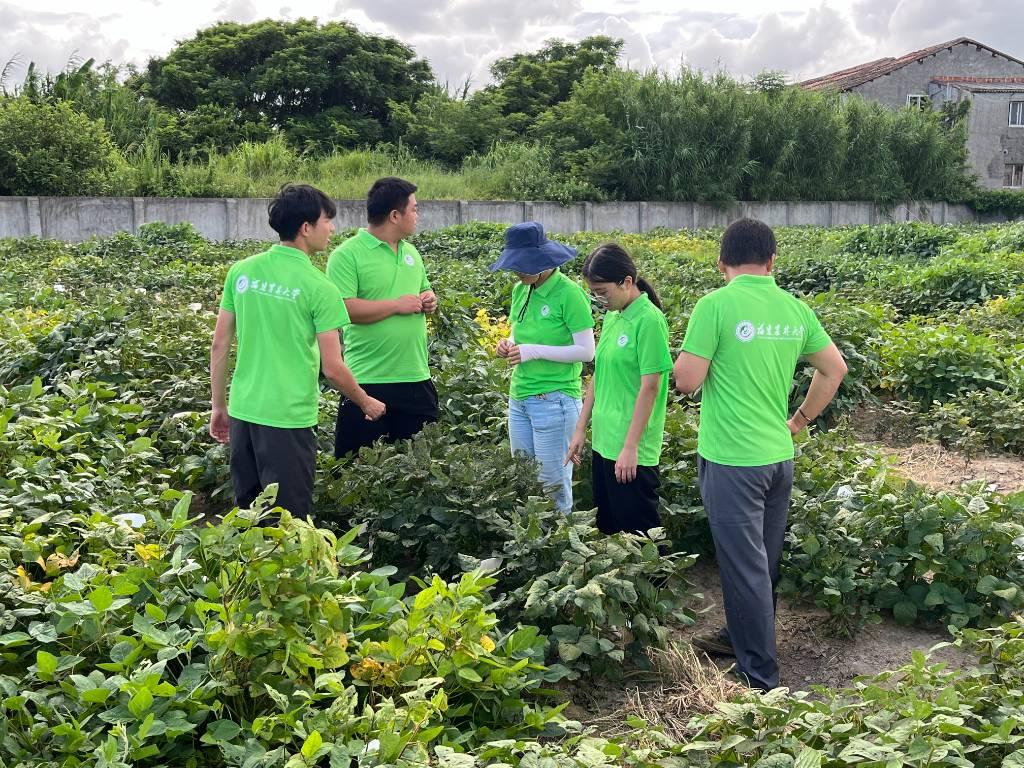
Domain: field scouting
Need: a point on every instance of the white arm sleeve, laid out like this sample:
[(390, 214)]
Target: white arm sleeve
[(580, 351)]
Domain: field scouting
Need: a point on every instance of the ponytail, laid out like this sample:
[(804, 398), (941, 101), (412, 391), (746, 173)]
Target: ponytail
[(652, 294), (611, 263)]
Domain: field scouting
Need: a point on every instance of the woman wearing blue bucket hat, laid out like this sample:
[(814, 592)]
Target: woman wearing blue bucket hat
[(552, 336)]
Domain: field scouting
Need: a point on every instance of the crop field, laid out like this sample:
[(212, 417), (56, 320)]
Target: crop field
[(144, 622)]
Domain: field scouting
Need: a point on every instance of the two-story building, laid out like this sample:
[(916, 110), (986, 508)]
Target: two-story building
[(958, 70)]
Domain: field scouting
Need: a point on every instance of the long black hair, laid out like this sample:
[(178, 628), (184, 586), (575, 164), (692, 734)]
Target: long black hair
[(611, 263)]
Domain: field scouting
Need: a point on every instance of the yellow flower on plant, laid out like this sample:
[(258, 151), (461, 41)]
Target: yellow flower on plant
[(147, 552), (487, 644), (368, 669), (492, 330)]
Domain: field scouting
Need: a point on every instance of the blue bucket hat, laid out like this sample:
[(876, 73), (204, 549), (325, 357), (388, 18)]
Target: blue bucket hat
[(528, 251)]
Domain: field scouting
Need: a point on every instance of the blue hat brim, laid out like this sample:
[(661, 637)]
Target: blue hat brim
[(534, 260)]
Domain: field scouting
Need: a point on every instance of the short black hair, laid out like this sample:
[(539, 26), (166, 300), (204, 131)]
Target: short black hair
[(295, 205), (386, 195), (747, 241)]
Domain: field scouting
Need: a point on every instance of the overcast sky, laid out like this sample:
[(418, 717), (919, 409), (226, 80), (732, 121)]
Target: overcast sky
[(461, 38)]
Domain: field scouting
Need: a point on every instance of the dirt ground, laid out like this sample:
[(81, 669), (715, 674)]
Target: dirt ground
[(809, 654), (932, 465), (686, 682)]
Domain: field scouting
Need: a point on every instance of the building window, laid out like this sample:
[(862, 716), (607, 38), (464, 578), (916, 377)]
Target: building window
[(1017, 114), (1014, 177), (919, 101)]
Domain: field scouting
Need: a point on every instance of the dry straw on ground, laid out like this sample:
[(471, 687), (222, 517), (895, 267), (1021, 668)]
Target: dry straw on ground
[(686, 685)]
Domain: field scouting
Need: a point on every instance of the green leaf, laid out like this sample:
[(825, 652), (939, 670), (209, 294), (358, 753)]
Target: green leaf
[(809, 758), (1009, 593), (140, 703), (468, 673), (139, 445), (1014, 759), (96, 695), (988, 584), (810, 545), (311, 745), (101, 598), (569, 652), (46, 665), (14, 639), (976, 552), (279, 698), (221, 730), (905, 612)]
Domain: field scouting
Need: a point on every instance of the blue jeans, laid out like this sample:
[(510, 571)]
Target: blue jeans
[(542, 426)]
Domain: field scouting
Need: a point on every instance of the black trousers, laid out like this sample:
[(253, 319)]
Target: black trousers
[(263, 455), (410, 405), (630, 507)]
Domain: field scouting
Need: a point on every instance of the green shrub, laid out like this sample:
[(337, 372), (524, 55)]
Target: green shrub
[(595, 593), (866, 545), (1000, 202), (518, 171), (910, 240), (856, 329), (923, 714), (50, 149), (977, 420), (935, 362), (811, 272), (428, 500), (951, 284), (175, 644)]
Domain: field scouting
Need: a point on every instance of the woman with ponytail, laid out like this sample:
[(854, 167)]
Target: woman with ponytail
[(627, 396)]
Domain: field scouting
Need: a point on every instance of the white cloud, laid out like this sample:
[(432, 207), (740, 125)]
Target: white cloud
[(463, 37)]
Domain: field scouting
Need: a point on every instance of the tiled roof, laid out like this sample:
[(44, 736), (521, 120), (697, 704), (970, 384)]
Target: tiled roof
[(978, 80), (983, 84), (846, 79)]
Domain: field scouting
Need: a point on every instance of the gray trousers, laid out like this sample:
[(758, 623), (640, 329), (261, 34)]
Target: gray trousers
[(747, 508)]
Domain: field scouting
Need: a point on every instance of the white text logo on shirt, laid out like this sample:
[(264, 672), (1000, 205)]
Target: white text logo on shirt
[(409, 259), (623, 340), (778, 331), (267, 288), (745, 331)]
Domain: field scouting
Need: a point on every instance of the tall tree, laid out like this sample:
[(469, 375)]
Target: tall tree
[(532, 82), (324, 85)]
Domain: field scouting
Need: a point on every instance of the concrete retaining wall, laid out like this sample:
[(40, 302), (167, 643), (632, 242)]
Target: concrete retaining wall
[(79, 218)]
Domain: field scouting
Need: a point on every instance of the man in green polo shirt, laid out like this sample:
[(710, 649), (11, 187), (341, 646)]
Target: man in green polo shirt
[(286, 315), (387, 295), (743, 343)]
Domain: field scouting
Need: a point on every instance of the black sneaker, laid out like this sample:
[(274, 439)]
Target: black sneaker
[(715, 644)]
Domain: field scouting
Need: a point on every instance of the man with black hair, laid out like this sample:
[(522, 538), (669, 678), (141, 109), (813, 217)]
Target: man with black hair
[(286, 315), (384, 285), (742, 344)]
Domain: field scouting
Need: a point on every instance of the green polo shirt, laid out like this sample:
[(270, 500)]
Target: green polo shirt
[(555, 311), (394, 349), (753, 332), (633, 343), (280, 302)]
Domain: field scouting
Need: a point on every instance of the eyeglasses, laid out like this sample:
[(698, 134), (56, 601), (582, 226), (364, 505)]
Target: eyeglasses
[(597, 298)]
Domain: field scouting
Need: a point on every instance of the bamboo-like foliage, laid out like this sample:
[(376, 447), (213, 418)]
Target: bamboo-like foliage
[(688, 136)]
